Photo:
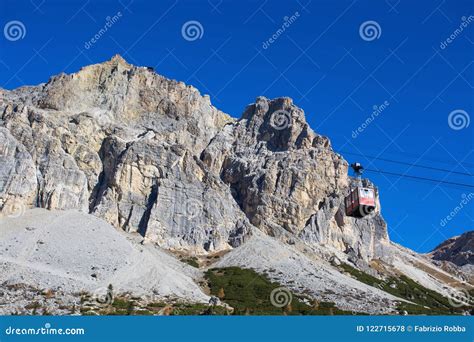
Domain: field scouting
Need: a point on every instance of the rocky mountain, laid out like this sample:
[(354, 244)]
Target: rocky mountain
[(456, 255), (153, 158), (459, 250)]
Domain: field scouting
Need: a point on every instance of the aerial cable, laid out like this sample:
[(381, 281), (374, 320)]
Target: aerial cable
[(410, 164), (420, 178)]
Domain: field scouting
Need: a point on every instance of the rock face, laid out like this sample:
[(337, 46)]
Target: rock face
[(287, 180), (153, 156), (120, 142), (18, 183), (459, 250)]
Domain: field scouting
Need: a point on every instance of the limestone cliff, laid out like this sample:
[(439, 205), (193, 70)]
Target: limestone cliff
[(153, 156)]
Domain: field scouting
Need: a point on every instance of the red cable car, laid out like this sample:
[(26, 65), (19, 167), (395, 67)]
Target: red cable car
[(361, 200)]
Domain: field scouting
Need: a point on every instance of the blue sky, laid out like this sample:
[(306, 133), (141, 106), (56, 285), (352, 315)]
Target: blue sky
[(331, 68)]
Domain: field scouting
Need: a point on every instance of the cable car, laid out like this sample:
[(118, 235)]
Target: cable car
[(361, 200)]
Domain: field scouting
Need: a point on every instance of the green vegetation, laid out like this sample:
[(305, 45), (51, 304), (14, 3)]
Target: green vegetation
[(249, 293), (427, 302), (125, 305), (192, 261), (198, 309), (121, 304)]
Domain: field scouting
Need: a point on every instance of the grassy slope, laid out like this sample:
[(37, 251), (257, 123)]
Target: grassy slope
[(427, 302), (249, 294)]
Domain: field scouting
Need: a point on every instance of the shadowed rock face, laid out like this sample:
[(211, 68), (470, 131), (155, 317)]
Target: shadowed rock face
[(459, 250), (287, 179), (151, 155)]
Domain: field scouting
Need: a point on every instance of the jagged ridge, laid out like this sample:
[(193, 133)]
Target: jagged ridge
[(152, 156)]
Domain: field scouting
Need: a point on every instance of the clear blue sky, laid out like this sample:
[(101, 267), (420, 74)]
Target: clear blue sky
[(320, 60)]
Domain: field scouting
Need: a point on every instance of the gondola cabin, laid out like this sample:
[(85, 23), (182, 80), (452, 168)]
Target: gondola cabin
[(360, 202)]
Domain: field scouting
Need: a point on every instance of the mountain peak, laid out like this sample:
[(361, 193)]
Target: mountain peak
[(279, 122), (118, 59), (151, 156), (459, 249)]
